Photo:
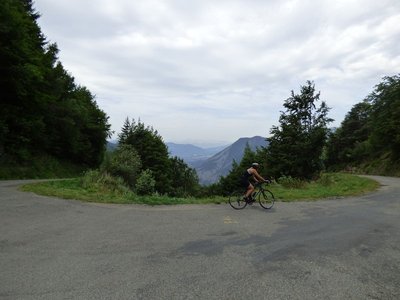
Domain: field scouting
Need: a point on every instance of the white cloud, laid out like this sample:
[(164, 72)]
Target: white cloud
[(220, 70)]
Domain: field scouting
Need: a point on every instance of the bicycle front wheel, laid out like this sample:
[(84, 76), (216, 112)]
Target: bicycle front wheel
[(266, 199), (236, 200)]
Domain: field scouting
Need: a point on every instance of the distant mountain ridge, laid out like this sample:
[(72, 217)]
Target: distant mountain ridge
[(192, 155), (220, 164)]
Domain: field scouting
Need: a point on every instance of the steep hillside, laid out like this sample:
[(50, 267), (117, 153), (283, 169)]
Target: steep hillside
[(220, 164)]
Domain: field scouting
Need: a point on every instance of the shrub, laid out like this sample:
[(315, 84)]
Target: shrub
[(124, 162), (101, 181), (146, 183)]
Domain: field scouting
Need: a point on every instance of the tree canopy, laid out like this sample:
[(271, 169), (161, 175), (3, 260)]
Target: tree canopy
[(385, 117), (370, 130), (43, 111), (172, 175), (296, 145), (347, 143)]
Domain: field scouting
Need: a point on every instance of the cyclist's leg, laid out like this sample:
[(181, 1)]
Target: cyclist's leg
[(249, 192), (245, 184)]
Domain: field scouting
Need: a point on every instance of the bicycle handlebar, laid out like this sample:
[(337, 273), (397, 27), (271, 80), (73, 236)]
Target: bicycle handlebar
[(258, 183)]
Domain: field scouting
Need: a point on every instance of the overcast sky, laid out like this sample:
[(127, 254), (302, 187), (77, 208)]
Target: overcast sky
[(208, 72)]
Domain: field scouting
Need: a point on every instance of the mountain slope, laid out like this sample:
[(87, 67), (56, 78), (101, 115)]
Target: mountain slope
[(220, 164), (191, 154)]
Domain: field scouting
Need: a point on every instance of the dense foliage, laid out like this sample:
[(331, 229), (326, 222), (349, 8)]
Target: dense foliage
[(370, 132), (42, 111), (172, 175), (295, 147), (348, 143), (124, 162), (385, 117)]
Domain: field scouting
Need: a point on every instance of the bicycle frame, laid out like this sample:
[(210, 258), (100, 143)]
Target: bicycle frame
[(264, 197)]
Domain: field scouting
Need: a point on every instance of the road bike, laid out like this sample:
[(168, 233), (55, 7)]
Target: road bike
[(261, 194)]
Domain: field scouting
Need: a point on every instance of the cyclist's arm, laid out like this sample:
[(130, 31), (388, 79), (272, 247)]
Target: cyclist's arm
[(258, 177)]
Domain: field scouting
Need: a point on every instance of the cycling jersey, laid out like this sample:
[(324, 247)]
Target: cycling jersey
[(245, 178)]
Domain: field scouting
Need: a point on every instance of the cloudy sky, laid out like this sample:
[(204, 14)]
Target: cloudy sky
[(208, 72)]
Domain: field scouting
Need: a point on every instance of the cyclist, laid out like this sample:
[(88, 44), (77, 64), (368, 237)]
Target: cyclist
[(245, 180)]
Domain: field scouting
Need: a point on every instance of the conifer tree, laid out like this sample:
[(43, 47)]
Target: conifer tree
[(152, 151), (296, 145), (42, 111), (184, 180)]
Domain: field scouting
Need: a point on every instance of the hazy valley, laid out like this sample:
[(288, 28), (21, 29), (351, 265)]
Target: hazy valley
[(212, 163)]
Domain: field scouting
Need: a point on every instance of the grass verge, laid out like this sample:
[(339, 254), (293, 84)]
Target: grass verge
[(72, 189), (332, 186)]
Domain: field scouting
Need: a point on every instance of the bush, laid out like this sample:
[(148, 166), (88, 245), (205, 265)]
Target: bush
[(124, 162), (99, 181), (146, 183), (291, 183)]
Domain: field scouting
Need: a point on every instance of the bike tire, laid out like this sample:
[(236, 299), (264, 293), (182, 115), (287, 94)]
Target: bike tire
[(266, 199), (236, 200)]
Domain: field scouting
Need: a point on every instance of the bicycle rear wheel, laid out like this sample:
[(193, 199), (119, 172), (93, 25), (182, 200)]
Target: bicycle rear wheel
[(236, 200), (266, 199)]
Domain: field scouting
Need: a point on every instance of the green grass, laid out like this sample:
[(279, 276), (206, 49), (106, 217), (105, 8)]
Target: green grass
[(72, 189), (331, 186), (335, 185)]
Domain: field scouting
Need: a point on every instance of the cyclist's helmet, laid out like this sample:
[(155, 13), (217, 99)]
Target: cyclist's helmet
[(255, 165)]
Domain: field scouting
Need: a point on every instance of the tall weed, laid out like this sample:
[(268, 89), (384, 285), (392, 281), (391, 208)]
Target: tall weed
[(95, 180)]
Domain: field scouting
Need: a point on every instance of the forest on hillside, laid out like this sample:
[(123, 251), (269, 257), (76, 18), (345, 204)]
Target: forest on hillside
[(369, 136), (45, 113)]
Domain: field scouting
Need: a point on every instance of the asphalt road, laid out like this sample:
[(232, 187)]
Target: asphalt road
[(333, 249)]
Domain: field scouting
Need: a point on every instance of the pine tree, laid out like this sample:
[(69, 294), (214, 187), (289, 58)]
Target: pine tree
[(42, 111), (295, 147), (125, 131), (184, 180), (152, 151), (21, 54)]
